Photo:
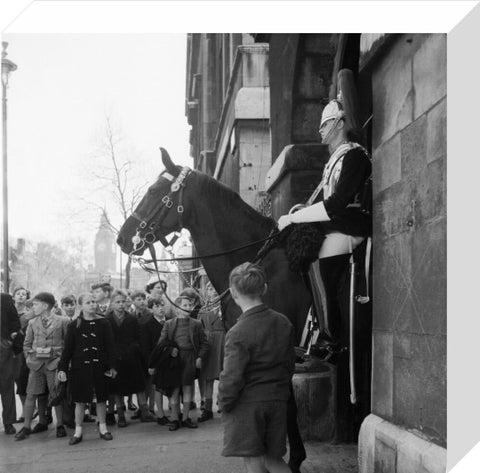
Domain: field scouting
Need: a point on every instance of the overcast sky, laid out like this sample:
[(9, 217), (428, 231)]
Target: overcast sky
[(58, 98)]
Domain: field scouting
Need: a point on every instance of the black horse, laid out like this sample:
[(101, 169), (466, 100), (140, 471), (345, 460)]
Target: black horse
[(219, 221)]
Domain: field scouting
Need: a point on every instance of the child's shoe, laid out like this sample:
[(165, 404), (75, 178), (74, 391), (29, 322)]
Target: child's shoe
[(174, 425), (189, 424), (163, 420), (122, 422), (206, 415)]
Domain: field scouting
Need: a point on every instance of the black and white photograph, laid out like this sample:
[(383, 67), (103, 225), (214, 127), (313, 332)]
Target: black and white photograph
[(227, 252)]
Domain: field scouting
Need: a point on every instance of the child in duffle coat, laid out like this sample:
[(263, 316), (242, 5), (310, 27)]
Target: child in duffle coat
[(90, 349), (191, 339)]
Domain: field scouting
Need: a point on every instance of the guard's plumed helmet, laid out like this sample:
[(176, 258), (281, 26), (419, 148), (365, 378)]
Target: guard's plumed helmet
[(332, 111)]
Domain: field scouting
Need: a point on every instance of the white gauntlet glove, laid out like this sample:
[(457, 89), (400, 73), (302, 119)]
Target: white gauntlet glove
[(314, 213)]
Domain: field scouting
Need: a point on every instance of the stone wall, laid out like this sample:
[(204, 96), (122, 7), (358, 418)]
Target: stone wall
[(300, 69), (409, 279)]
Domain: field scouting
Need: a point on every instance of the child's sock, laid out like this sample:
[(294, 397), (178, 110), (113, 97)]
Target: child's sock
[(121, 411), (208, 404), (186, 410), (78, 431), (174, 409), (102, 428)]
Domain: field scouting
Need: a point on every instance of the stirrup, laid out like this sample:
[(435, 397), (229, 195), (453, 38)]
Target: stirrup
[(326, 351)]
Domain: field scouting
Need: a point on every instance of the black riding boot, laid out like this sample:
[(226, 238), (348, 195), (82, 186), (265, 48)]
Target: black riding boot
[(326, 277)]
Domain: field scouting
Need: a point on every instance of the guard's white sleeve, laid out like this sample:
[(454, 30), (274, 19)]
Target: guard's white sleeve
[(314, 213)]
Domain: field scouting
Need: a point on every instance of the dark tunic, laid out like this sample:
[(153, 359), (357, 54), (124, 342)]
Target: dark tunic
[(90, 352), (130, 366), (348, 193)]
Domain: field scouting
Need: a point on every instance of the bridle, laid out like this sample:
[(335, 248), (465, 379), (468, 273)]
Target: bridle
[(145, 232)]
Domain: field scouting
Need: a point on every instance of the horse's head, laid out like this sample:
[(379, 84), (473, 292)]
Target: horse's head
[(159, 213)]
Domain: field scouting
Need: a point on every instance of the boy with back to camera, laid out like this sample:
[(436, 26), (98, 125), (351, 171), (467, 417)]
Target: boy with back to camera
[(254, 384)]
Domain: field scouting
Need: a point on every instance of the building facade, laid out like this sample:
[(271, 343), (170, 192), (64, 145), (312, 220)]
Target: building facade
[(401, 84), (228, 107)]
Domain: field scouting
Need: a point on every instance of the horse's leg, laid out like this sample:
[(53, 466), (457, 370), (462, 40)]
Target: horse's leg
[(297, 449)]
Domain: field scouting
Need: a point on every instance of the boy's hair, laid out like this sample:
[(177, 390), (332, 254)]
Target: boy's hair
[(118, 292), (83, 296), (181, 297), (47, 298), (19, 289), (138, 293), (248, 279), (155, 301), (70, 299), (192, 294), (104, 286)]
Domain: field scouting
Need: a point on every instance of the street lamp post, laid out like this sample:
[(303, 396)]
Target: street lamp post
[(7, 67)]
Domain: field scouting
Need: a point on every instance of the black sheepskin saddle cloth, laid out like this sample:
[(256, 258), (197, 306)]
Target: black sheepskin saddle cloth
[(302, 243)]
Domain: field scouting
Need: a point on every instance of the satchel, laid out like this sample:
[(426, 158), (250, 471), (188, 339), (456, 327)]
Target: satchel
[(59, 393), (46, 352)]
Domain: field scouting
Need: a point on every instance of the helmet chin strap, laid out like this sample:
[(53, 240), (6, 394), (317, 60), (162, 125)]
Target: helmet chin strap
[(333, 127)]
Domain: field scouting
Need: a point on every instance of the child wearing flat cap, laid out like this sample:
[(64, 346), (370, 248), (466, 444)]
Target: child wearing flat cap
[(43, 346)]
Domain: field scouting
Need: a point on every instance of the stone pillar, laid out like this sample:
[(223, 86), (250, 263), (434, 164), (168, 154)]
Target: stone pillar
[(294, 176), (291, 180), (314, 388)]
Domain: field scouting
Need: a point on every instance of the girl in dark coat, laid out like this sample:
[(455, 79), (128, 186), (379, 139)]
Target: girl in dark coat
[(90, 350), (130, 365)]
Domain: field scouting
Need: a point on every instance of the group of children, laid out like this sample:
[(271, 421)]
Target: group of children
[(115, 345), (156, 348)]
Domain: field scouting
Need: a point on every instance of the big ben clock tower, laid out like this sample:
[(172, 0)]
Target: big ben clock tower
[(105, 248)]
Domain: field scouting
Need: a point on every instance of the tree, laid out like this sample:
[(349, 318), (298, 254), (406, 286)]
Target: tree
[(55, 268), (113, 173)]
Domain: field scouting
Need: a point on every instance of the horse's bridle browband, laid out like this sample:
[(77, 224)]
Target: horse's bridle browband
[(151, 222)]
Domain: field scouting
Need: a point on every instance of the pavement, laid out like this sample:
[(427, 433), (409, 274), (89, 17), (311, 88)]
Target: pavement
[(148, 448)]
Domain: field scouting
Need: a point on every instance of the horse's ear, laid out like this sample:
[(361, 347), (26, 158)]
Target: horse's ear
[(167, 161)]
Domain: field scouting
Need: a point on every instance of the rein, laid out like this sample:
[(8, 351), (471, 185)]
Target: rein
[(152, 222), (210, 305), (273, 234)]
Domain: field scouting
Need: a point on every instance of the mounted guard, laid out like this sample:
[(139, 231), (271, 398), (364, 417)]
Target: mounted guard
[(340, 204)]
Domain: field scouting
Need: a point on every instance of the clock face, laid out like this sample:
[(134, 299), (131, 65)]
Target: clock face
[(102, 246)]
